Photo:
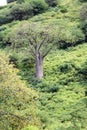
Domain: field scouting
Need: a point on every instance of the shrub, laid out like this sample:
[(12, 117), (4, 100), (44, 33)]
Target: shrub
[(21, 11), (83, 70), (52, 3), (5, 17), (70, 37), (39, 6), (63, 9), (16, 110)]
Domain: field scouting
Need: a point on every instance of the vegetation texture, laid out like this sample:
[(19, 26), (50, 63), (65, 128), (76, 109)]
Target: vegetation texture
[(43, 65)]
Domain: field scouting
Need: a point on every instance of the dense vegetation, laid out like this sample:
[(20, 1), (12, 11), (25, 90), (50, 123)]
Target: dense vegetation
[(55, 33), (15, 108)]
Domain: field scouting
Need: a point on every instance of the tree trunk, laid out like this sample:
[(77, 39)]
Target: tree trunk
[(39, 66)]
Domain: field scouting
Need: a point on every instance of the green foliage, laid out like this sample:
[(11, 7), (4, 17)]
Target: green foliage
[(83, 70), (31, 128), (59, 110), (21, 11), (52, 3), (5, 17), (20, 1), (16, 109), (39, 6), (70, 36), (8, 1), (63, 93), (83, 16)]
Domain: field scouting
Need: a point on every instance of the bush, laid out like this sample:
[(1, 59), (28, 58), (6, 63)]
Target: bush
[(16, 110), (83, 70), (52, 3), (21, 11), (39, 6), (5, 17), (70, 37), (27, 9), (63, 9)]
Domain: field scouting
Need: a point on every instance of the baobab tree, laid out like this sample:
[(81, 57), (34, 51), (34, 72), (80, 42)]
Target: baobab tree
[(38, 39)]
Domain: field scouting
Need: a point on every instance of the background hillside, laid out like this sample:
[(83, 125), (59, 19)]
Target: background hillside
[(59, 100)]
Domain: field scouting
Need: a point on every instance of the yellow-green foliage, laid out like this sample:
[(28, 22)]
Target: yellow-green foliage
[(17, 105), (31, 128), (64, 64), (64, 110), (63, 99)]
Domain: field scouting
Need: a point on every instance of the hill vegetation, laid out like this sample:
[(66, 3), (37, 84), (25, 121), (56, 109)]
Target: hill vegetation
[(57, 98)]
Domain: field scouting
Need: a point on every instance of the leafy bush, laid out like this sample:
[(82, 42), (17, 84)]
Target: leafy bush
[(52, 3), (63, 9), (39, 6), (83, 70), (5, 17), (70, 37), (21, 11), (16, 110), (27, 9)]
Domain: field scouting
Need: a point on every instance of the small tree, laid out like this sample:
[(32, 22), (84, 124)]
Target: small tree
[(39, 40)]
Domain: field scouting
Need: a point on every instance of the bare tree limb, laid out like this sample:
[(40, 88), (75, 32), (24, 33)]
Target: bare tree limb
[(43, 41), (45, 54)]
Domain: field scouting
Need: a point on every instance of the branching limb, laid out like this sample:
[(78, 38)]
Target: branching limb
[(43, 41), (47, 51)]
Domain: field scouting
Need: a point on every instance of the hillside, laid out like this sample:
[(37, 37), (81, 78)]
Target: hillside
[(55, 94)]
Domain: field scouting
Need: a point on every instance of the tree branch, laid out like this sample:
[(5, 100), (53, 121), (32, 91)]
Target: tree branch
[(45, 54), (43, 41), (31, 50)]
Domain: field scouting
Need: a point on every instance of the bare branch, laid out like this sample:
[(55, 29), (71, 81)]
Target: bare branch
[(31, 50), (43, 41), (32, 42), (45, 54)]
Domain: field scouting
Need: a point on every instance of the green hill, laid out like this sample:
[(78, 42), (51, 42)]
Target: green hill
[(59, 100)]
